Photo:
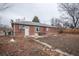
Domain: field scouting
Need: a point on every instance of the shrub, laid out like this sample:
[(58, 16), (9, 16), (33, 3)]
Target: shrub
[(60, 30), (72, 31)]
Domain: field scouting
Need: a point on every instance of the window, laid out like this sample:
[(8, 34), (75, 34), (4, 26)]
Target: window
[(22, 28), (37, 29)]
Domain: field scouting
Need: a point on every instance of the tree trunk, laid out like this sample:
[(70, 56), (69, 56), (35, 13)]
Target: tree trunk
[(74, 23)]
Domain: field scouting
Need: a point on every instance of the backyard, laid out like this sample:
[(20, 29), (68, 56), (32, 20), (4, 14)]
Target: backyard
[(27, 47), (66, 42), (21, 47)]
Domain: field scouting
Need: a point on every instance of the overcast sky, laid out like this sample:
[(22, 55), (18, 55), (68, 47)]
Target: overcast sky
[(44, 11)]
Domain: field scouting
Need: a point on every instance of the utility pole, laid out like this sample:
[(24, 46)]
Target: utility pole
[(13, 26), (14, 29)]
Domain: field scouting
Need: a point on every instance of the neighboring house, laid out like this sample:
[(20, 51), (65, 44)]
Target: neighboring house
[(5, 30), (26, 28)]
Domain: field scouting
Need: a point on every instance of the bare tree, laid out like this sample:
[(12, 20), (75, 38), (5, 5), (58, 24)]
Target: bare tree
[(4, 6), (72, 10)]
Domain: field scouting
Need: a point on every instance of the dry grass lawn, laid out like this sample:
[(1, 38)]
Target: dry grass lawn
[(21, 47), (66, 42)]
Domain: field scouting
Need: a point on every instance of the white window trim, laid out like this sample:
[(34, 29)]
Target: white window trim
[(36, 29), (22, 28)]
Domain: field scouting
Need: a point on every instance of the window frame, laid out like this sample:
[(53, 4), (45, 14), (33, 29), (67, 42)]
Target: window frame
[(37, 27), (22, 28)]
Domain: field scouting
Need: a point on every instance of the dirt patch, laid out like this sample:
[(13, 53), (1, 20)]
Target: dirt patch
[(21, 47), (66, 42)]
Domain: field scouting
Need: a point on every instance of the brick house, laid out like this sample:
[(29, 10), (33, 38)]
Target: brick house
[(26, 28)]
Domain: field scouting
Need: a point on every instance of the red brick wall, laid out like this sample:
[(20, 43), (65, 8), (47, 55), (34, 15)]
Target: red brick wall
[(31, 30), (54, 30), (43, 29), (51, 30), (18, 32), (17, 28)]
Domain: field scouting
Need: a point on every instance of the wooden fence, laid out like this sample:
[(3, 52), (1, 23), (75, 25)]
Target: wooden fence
[(70, 31)]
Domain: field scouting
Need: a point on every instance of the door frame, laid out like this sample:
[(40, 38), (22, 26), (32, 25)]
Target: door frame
[(26, 31)]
